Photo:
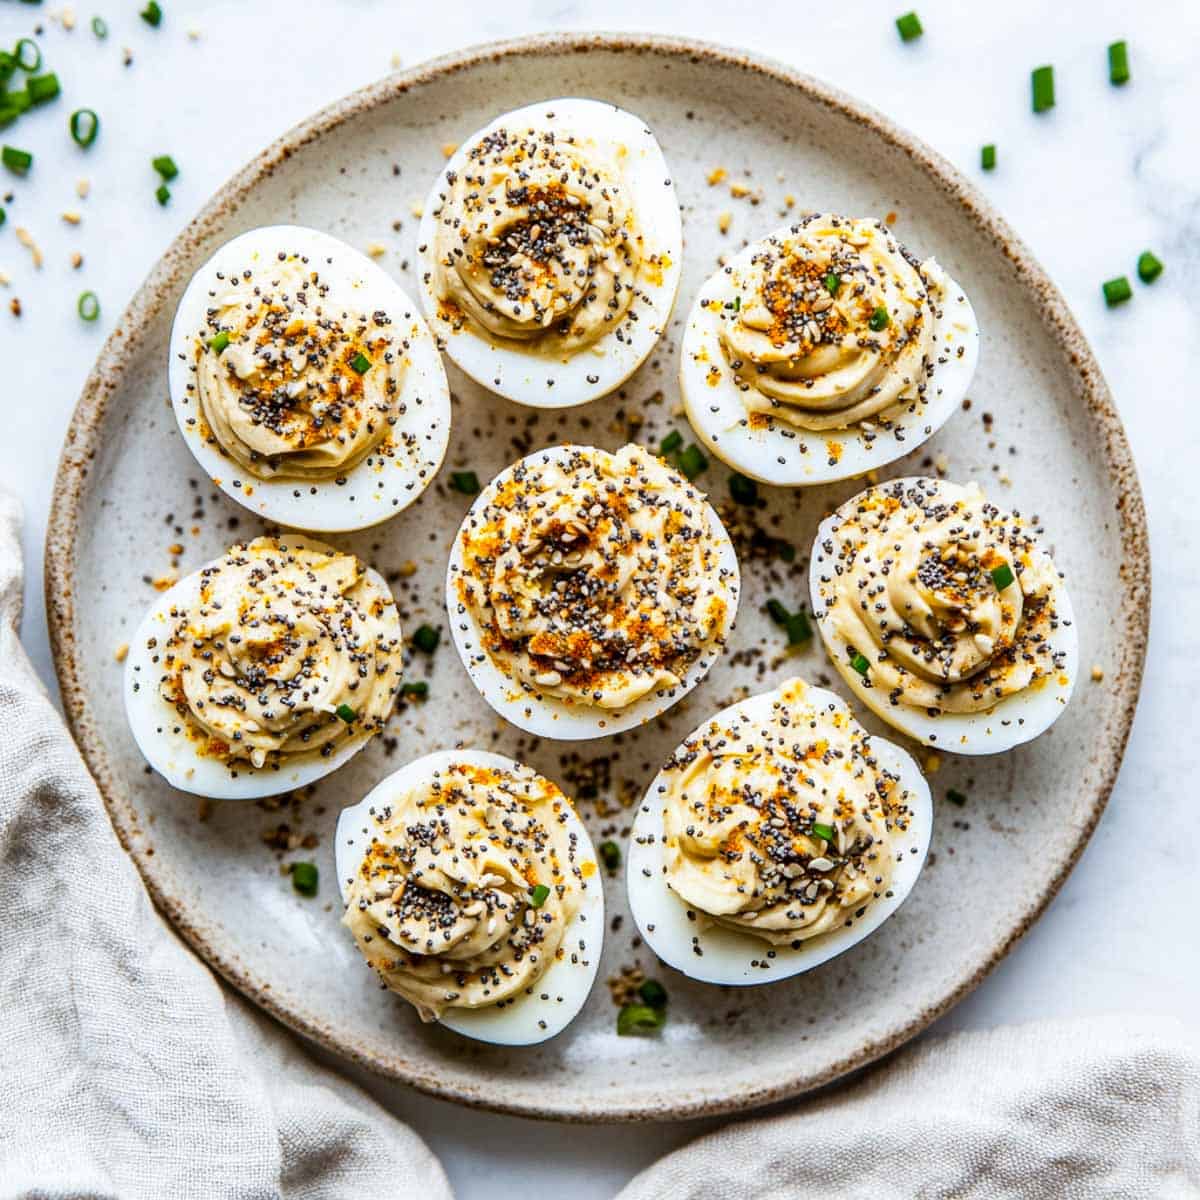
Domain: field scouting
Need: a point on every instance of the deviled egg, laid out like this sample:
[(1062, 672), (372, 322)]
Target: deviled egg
[(778, 835), (824, 350), (306, 382), (589, 591), (945, 615), (550, 248), (472, 889), (264, 670)]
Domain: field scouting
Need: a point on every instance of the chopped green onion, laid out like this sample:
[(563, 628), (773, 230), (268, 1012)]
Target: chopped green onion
[(670, 443), (426, 638), (538, 895), (860, 664), (305, 878), (85, 125), (955, 797), (1117, 291), (346, 713), (19, 102), (361, 363), (737, 304), (1118, 63), (99, 27), (880, 319), (466, 482), (1002, 576), (42, 88), (217, 344), (88, 306), (833, 281), (162, 193), (987, 157), (418, 690), (164, 164), (637, 1020), (825, 832), (743, 490), (692, 461), (1042, 81), (653, 993), (27, 55), (152, 14), (610, 852), (909, 27), (799, 630), (1149, 268), (3, 216), (778, 613), (8, 64), (17, 161)]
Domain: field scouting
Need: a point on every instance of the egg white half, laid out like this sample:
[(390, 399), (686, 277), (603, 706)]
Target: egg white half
[(562, 990), (783, 455), (162, 736), (548, 716), (1016, 719), (728, 956), (380, 485), (543, 381)]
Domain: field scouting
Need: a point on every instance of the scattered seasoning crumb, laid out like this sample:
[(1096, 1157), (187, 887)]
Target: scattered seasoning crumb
[(67, 17), (407, 569), (448, 149), (942, 463), (82, 188), (76, 260), (738, 190), (724, 220), (417, 210), (203, 808), (14, 306), (126, 56), (5, 280), (789, 201), (623, 987), (121, 652), (193, 34), (72, 217), (26, 240), (717, 175), (376, 249), (396, 60), (163, 582), (1097, 673), (933, 763)]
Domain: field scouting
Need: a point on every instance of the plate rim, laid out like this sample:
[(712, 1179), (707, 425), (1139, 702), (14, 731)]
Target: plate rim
[(106, 376)]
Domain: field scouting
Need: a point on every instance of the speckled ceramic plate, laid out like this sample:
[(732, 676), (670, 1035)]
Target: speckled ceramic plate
[(128, 491)]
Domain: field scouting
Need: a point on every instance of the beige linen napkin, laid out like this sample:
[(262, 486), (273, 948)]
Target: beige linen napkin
[(1104, 1107), (126, 1069)]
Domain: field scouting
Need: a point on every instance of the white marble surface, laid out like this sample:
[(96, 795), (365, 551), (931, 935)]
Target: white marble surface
[(1107, 174)]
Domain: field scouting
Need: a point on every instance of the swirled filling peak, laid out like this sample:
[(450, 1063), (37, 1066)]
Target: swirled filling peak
[(778, 819), (831, 324), (288, 648), (466, 890), (949, 600), (537, 241), (294, 380), (593, 577)]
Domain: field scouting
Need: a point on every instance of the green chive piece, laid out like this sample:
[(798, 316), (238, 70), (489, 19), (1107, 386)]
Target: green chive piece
[(1042, 81), (833, 281), (1117, 291), (825, 832), (956, 797), (100, 27), (19, 102), (638, 1020), (218, 343), (798, 629), (426, 638), (305, 878), (418, 690), (164, 164), (84, 126), (152, 14), (909, 27), (17, 161), (346, 713), (653, 993), (7, 115), (778, 613), (1149, 267), (162, 193), (610, 853), (27, 54), (860, 664), (538, 895), (466, 482), (692, 461), (42, 88), (880, 319), (361, 363), (737, 304), (1118, 63), (670, 443), (743, 490), (987, 157), (1002, 576), (3, 216), (88, 306)]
